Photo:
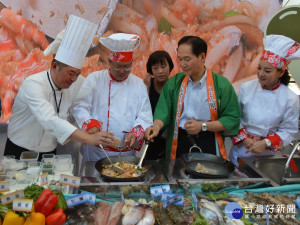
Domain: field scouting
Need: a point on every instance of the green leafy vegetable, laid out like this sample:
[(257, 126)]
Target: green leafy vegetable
[(200, 220), (244, 219), (4, 209), (164, 25), (231, 13), (33, 191), (210, 187), (217, 196)]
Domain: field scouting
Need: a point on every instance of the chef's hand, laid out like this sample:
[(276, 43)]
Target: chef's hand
[(248, 142), (193, 127), (151, 132), (130, 139), (258, 147), (93, 130), (102, 137)]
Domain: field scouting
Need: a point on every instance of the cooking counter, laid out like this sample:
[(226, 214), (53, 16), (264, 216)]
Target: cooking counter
[(90, 176), (161, 172)]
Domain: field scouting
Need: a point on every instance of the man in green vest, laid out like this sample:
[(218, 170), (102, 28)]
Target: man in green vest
[(196, 103)]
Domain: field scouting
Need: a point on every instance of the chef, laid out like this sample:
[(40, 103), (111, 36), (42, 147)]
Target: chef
[(114, 100), (196, 103), (40, 110), (270, 110)]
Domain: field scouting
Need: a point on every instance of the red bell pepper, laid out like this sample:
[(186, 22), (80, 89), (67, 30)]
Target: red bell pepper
[(46, 202), (57, 217)]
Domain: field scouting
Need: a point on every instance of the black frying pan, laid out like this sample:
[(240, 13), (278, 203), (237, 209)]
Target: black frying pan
[(131, 159), (216, 166), (213, 169)]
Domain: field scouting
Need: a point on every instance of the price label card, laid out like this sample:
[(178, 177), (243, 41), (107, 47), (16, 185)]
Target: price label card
[(298, 202), (158, 190), (81, 199), (69, 180), (91, 197), (23, 205), (44, 179), (166, 188), (8, 198), (122, 197), (195, 200), (4, 186), (176, 200)]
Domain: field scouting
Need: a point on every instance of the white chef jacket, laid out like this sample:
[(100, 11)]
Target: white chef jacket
[(34, 124), (263, 111), (129, 107)]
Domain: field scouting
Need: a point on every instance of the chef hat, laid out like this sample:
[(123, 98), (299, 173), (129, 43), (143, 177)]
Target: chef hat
[(76, 41), (53, 47), (121, 46), (279, 50)]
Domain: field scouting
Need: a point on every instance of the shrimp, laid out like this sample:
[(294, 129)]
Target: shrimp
[(173, 20), (231, 20), (19, 25), (246, 8), (152, 6), (127, 20), (230, 36), (6, 46), (34, 62), (233, 64), (24, 45), (186, 11)]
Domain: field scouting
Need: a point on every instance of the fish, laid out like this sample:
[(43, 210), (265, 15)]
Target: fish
[(134, 215), (115, 213), (102, 213), (233, 221), (148, 218), (203, 203)]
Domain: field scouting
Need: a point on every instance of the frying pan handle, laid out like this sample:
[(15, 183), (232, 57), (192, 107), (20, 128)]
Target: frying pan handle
[(194, 145)]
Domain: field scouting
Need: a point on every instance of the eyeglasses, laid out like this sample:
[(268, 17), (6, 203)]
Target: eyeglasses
[(119, 68)]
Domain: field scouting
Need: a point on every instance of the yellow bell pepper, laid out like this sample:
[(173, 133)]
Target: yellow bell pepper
[(12, 218), (35, 218)]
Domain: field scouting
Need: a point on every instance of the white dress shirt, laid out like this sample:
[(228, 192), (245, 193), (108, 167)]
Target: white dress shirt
[(195, 106)]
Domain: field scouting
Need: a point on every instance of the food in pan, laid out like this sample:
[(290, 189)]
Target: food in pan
[(130, 168), (200, 168)]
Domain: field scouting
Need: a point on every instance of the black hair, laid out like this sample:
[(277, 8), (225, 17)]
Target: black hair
[(198, 44), (159, 57), (285, 79), (60, 64)]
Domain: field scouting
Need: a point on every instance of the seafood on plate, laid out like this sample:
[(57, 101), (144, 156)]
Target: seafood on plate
[(134, 215), (102, 213), (203, 203), (130, 168)]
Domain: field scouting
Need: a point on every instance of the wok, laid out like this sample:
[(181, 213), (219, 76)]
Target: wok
[(131, 159), (217, 167)]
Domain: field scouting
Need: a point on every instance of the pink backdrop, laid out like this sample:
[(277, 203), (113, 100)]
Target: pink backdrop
[(233, 30)]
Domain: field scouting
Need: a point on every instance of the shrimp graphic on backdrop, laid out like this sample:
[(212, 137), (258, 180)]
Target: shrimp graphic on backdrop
[(233, 30), (21, 55)]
